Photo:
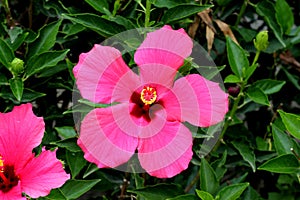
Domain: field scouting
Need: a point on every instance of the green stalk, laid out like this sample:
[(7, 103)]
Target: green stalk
[(241, 13), (147, 13), (116, 7), (231, 115), (255, 58)]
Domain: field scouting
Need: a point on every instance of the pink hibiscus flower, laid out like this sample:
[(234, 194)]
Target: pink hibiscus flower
[(20, 170), (151, 106)]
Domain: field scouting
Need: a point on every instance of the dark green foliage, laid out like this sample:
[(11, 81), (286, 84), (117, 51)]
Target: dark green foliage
[(257, 154)]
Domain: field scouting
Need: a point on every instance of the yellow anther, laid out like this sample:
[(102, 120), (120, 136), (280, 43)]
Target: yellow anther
[(1, 164), (148, 95)]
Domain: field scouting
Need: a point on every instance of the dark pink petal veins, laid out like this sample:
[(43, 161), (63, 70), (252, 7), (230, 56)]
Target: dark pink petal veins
[(41, 174), (103, 139), (103, 77), (168, 152), (164, 46), (20, 132)]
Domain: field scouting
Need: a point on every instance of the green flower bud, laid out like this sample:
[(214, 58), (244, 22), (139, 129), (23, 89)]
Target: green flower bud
[(16, 66), (261, 42)]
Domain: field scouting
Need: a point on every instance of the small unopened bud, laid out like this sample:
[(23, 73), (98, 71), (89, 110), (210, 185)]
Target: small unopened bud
[(234, 91), (17, 66), (261, 42)]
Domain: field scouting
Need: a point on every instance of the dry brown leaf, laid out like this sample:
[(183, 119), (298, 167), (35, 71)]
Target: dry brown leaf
[(210, 36), (288, 58), (194, 27), (207, 19), (225, 28)]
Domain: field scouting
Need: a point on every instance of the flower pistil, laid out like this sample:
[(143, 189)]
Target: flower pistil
[(8, 178), (148, 95)]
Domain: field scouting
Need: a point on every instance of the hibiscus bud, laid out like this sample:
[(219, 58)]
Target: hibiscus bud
[(234, 91), (261, 42), (17, 66)]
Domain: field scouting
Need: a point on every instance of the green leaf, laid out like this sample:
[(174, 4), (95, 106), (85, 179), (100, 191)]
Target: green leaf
[(76, 162), (246, 153), (251, 194), (282, 142), (249, 71), (94, 105), (73, 189), (284, 15), (30, 95), (269, 86), (204, 195), (232, 192), (123, 21), (46, 39), (208, 178), (232, 79), (159, 191), (183, 197), (14, 33), (168, 3), (70, 144), (66, 132), (267, 10), (72, 29), (291, 122), (291, 77), (98, 24), (262, 144), (182, 11), (219, 166), (41, 62), (257, 95), (19, 41), (100, 6), (17, 87), (90, 170), (55, 195), (237, 58), (6, 53), (247, 34), (285, 164), (52, 71)]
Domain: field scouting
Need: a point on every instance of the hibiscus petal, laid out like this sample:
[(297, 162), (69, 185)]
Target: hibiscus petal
[(103, 139), (167, 153), (14, 194), (159, 76), (42, 174), (201, 102), (164, 46), (20, 132), (102, 76)]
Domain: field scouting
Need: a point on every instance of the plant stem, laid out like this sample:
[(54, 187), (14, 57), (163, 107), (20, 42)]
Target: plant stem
[(255, 58), (236, 103), (231, 115), (242, 11), (194, 181), (116, 7), (147, 13), (9, 19)]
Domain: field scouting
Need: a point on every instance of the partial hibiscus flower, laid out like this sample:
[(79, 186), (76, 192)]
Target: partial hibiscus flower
[(151, 105), (20, 170)]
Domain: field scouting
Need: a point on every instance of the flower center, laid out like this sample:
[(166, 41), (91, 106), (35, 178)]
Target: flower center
[(8, 178), (148, 95)]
